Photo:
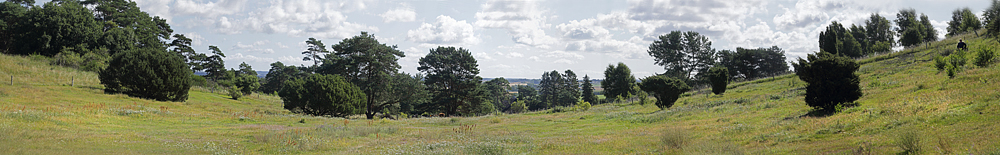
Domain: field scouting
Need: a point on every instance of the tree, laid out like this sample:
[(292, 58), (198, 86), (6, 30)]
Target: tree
[(682, 54), (911, 31), (760, 62), (496, 91), (321, 95), (369, 65), (930, 34), (149, 31), (588, 90), (11, 15), (47, 30), (719, 77), (182, 47), (962, 21), (452, 77), (246, 79), (558, 90), (991, 16), (831, 80), (838, 40), (413, 87), (529, 96), (666, 89), (278, 74), (315, 51), (878, 29), (147, 73), (570, 87), (618, 81), (214, 65)]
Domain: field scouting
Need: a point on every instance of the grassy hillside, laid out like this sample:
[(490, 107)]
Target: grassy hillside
[(904, 95)]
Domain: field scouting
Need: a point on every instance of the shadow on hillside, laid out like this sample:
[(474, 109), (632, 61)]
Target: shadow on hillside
[(828, 111)]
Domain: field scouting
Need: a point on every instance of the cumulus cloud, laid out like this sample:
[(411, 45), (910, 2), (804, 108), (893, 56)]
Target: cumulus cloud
[(208, 9), (321, 19), (445, 30), (254, 47), (399, 15), (239, 57), (583, 29), (523, 20), (196, 39)]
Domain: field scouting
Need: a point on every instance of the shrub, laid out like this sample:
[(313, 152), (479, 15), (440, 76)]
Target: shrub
[(643, 97), (957, 59), (67, 58), (909, 141), (583, 105), (247, 83), (518, 107), (234, 92), (322, 95), (831, 80), (674, 138), (147, 73), (666, 89), (984, 56), (719, 77), (940, 63)]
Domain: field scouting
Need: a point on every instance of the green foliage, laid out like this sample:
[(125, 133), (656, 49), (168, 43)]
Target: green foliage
[(831, 80), (911, 31), (518, 107), (588, 90), (719, 77), (315, 51), (753, 63), (234, 92), (278, 74), (496, 92), (940, 63), (558, 89), (962, 21), (246, 79), (46, 30), (452, 78), (909, 141), (675, 138), (214, 65), (198, 80), (618, 81), (991, 16), (682, 54), (67, 58), (838, 40), (367, 63), (583, 105), (984, 56), (666, 89), (879, 31), (322, 95), (957, 59), (147, 73), (413, 88)]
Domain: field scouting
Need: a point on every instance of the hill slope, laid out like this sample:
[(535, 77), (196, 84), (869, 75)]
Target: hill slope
[(41, 114)]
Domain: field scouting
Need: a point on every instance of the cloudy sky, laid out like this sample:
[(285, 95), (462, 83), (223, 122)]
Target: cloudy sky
[(521, 38)]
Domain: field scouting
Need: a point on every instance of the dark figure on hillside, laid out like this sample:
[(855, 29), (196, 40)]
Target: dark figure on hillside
[(961, 45)]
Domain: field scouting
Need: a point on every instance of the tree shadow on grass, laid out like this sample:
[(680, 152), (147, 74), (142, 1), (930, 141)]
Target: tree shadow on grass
[(824, 112)]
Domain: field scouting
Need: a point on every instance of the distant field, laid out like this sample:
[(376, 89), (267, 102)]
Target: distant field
[(904, 94)]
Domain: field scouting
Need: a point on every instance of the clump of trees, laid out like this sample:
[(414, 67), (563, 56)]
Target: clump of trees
[(831, 80), (618, 82), (963, 21), (873, 37), (557, 90), (666, 89), (914, 30), (147, 73), (452, 78), (753, 63), (320, 95)]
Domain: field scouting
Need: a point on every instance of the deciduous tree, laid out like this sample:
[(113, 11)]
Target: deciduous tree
[(452, 77)]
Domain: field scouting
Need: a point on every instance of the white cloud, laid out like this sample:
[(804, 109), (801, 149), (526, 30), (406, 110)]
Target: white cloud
[(445, 30), (583, 29), (523, 20), (156, 8), (399, 15), (254, 47), (320, 19), (196, 39), (239, 57), (209, 9)]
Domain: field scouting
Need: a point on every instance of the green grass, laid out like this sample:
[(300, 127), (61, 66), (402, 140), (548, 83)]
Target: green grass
[(904, 96)]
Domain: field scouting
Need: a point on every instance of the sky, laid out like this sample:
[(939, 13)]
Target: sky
[(521, 38)]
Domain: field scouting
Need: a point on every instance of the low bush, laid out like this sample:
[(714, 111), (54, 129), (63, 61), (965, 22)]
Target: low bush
[(984, 56), (940, 63), (234, 92), (674, 138), (909, 141), (666, 89), (583, 105), (147, 73)]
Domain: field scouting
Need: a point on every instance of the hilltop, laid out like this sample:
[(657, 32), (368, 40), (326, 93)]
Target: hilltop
[(57, 110)]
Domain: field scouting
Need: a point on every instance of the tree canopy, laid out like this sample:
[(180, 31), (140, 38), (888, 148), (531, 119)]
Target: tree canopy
[(452, 78), (618, 81), (682, 54), (370, 65), (147, 73), (321, 95)]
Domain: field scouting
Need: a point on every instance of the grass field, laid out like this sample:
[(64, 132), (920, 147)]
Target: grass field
[(908, 105)]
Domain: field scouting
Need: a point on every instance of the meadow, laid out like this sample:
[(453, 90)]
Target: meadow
[(908, 107)]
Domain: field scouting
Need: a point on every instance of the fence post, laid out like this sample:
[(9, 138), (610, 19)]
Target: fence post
[(11, 80), (72, 80)]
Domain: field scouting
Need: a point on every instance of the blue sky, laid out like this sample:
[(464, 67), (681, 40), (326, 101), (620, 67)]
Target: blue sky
[(520, 38)]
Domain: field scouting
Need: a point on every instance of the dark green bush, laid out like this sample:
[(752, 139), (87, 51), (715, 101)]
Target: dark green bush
[(984, 56), (940, 63), (147, 73), (234, 92), (831, 80), (322, 95), (719, 77), (666, 89)]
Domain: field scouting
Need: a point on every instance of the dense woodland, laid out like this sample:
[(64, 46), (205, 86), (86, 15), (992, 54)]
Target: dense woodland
[(138, 54)]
